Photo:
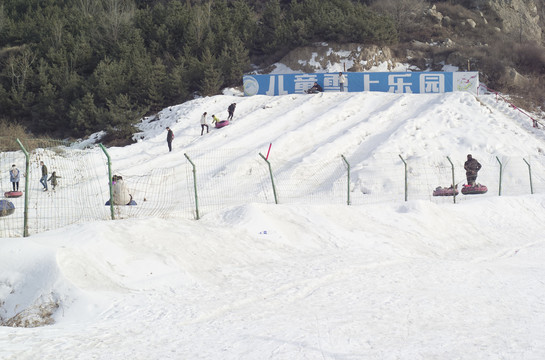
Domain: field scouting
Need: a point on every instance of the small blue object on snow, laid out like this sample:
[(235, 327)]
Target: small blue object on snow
[(131, 203), (6, 208)]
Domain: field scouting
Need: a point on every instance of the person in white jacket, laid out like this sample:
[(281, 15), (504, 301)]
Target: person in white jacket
[(203, 123), (120, 193), (342, 81)]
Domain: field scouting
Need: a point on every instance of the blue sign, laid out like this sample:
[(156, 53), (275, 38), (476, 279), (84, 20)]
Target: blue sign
[(394, 82)]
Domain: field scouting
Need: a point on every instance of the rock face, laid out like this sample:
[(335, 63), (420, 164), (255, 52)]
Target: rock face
[(352, 57), (523, 19)]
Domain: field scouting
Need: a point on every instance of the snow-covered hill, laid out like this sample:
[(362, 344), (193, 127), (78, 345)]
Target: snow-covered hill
[(388, 279)]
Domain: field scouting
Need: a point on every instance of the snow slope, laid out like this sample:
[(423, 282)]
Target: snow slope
[(388, 279)]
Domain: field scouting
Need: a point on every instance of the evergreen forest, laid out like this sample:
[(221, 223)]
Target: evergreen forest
[(69, 68)]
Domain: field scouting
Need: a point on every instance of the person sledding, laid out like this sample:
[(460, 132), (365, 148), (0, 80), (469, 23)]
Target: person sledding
[(446, 191), (219, 123), (472, 167), (316, 88)]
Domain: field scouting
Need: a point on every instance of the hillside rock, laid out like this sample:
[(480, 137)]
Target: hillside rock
[(351, 57), (523, 19)]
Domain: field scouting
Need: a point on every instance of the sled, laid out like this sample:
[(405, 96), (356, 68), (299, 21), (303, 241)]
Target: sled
[(222, 123), (132, 202), (13, 194), (443, 191), (6, 208), (474, 190)]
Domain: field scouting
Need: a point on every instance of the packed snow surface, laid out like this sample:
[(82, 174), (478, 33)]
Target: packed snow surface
[(416, 279)]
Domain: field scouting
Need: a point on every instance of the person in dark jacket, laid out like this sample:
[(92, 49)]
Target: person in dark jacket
[(170, 137), (315, 89), (43, 179), (231, 110), (53, 178), (471, 166)]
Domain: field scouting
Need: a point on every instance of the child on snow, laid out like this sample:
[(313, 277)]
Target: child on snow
[(53, 178)]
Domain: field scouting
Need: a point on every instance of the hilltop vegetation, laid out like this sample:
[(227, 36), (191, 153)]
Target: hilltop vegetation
[(75, 67), (71, 68)]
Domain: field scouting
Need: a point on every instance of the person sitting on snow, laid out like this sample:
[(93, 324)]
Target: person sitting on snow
[(315, 89), (120, 193), (471, 166)]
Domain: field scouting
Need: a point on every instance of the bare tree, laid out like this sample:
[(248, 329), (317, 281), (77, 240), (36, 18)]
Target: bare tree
[(403, 12), (88, 7), (117, 13)]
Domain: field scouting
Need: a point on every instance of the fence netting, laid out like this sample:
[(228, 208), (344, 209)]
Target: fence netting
[(212, 180)]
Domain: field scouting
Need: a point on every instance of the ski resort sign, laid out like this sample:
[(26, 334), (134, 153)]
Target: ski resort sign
[(394, 82)]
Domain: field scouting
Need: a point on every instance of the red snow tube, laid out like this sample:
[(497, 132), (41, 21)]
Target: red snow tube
[(472, 190), (13, 194), (222, 123), (441, 191)]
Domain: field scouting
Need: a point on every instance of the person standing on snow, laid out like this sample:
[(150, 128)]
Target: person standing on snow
[(53, 178), (170, 137), (471, 166), (342, 81), (43, 179), (14, 176), (231, 110), (203, 123)]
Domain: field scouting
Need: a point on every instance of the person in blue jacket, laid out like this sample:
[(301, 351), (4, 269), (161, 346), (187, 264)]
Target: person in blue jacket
[(14, 176)]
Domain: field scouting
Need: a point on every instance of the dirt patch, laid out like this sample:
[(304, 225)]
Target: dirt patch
[(39, 314)]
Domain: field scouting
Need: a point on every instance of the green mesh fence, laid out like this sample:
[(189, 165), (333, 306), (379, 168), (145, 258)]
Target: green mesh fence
[(230, 177)]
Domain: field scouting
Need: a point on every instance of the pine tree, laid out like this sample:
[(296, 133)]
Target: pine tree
[(212, 79)]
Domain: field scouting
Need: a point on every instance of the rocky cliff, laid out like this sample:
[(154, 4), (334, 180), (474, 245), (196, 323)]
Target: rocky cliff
[(522, 19)]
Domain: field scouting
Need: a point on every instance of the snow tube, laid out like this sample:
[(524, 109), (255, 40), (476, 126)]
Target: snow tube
[(13, 194), (441, 191), (6, 208), (131, 203), (222, 123), (476, 189)]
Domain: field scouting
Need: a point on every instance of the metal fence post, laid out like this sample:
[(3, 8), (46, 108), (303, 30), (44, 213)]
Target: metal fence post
[(194, 186), (112, 212), (453, 181), (501, 172), (348, 181), (27, 172), (272, 178), (406, 180), (530, 173)]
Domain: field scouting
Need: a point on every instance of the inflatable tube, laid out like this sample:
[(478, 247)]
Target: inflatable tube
[(13, 194), (222, 123), (131, 203), (441, 191), (473, 190), (6, 208)]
